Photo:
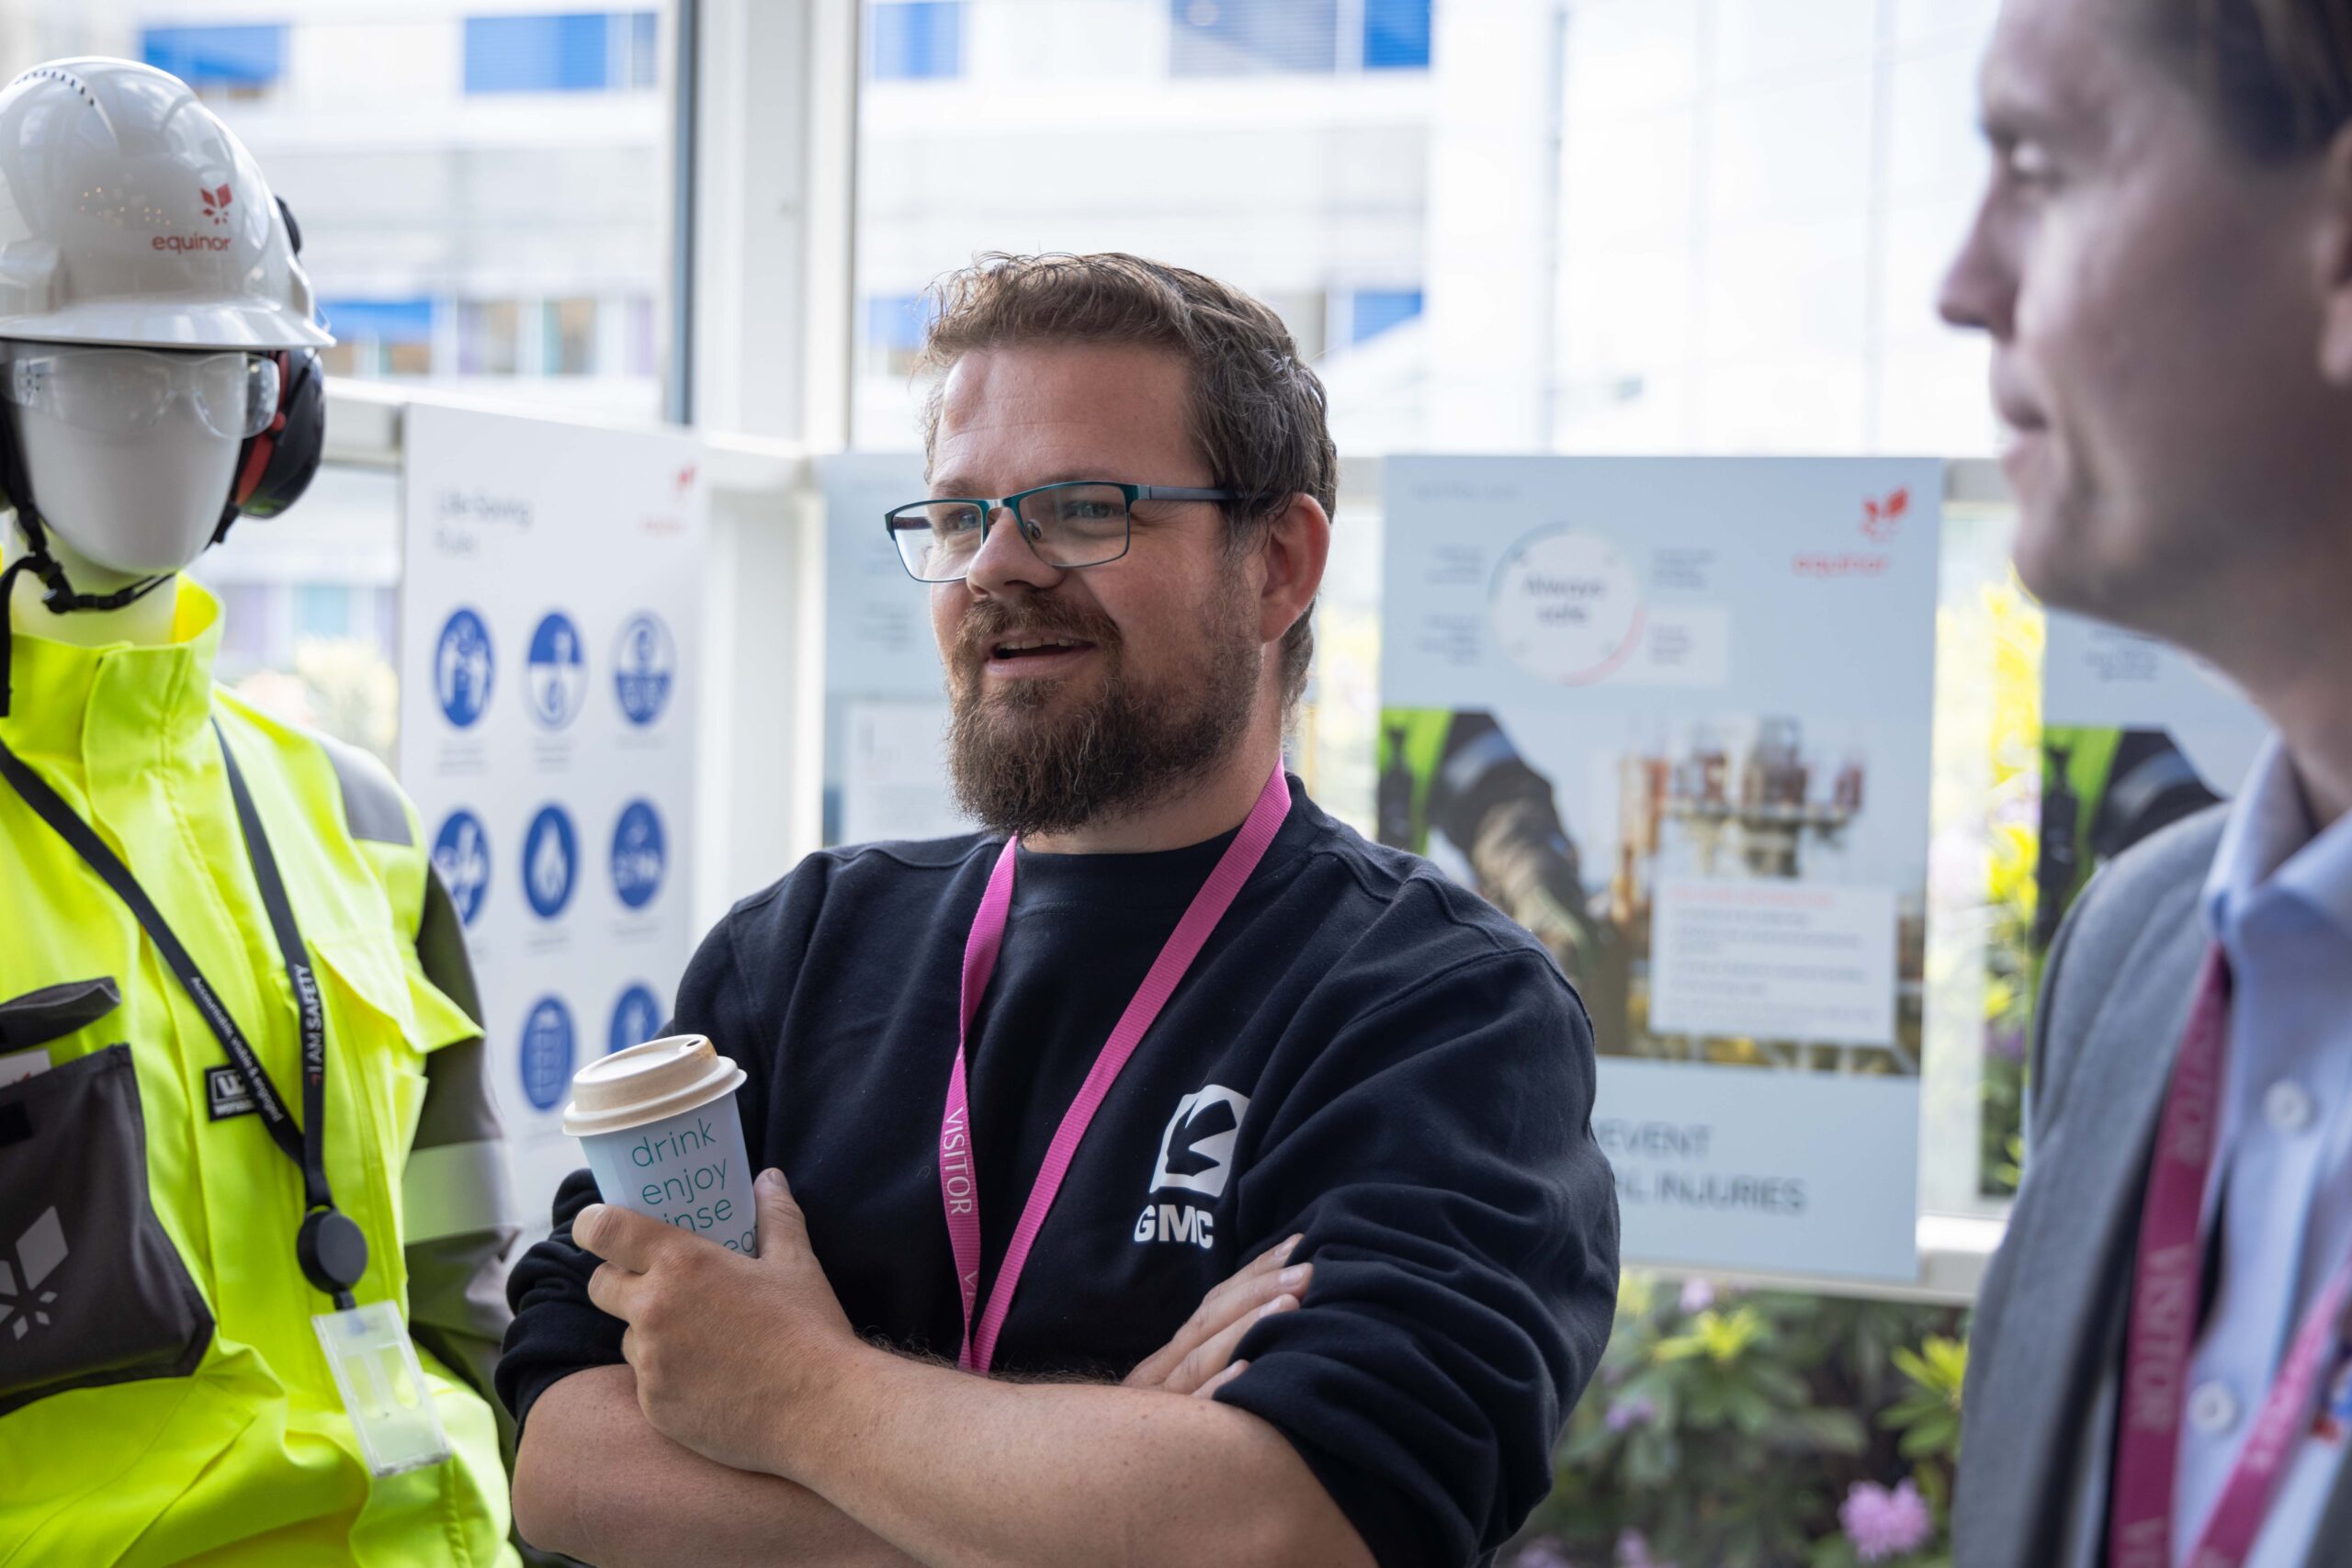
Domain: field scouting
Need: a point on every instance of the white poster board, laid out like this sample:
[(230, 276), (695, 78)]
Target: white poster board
[(2094, 674), (886, 701), (1677, 713), (551, 615)]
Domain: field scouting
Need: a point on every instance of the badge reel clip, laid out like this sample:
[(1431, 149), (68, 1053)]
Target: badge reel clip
[(368, 1348)]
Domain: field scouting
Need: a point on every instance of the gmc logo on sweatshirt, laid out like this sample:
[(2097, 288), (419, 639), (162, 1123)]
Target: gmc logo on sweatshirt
[(1195, 1156)]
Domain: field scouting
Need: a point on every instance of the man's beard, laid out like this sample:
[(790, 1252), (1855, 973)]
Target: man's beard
[(1023, 768)]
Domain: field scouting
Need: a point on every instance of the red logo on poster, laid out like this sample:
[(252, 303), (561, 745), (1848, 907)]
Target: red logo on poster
[(1882, 518)]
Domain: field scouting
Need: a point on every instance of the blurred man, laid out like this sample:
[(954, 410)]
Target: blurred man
[(1334, 1049), (2163, 260)]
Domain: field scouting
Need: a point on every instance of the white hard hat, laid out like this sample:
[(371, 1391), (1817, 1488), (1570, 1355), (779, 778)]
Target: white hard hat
[(129, 214)]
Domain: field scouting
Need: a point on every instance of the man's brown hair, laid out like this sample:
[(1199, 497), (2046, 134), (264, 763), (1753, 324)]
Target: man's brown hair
[(2277, 73), (1257, 412)]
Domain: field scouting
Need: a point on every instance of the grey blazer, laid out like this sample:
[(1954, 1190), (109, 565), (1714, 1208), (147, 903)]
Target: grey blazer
[(2049, 1327)]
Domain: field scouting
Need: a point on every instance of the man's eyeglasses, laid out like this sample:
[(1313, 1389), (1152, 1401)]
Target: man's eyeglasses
[(1077, 523)]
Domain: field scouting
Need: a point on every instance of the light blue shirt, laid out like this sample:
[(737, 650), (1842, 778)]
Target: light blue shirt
[(2279, 901)]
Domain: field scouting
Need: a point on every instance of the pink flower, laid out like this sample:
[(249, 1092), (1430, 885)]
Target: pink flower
[(1638, 1411), (1698, 1295), (1883, 1524), (1633, 1551)]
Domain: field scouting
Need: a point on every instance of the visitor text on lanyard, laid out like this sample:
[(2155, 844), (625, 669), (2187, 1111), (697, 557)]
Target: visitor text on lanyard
[(2165, 1284)]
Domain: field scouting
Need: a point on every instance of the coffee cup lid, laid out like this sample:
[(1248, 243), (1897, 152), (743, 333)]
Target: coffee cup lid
[(645, 1083)]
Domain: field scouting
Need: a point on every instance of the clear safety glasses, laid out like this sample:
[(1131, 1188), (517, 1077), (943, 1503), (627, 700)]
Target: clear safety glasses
[(115, 391)]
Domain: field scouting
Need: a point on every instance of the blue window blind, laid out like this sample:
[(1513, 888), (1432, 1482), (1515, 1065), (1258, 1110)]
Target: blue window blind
[(1233, 38), (1395, 35), (895, 321), (644, 48), (918, 40), (1372, 312), (386, 320), (252, 56), (574, 52)]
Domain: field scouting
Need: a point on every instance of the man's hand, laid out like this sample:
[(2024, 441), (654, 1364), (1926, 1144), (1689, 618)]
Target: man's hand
[(1199, 1360), (726, 1348)]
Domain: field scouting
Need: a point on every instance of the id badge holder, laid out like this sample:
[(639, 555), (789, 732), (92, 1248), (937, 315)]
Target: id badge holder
[(383, 1388)]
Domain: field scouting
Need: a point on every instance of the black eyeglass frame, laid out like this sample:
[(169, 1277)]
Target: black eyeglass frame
[(1012, 503)]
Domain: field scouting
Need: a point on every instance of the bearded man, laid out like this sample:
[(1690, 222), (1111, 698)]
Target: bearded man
[(1165, 1175)]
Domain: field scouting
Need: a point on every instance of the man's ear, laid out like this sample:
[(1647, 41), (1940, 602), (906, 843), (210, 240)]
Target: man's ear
[(2333, 262), (1297, 547)]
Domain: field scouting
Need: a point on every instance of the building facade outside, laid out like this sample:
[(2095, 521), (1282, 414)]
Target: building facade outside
[(1582, 225)]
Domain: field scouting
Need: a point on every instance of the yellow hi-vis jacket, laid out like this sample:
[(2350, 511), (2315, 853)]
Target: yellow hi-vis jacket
[(246, 1456)]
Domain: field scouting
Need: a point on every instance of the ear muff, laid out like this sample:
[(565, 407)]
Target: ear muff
[(275, 468)]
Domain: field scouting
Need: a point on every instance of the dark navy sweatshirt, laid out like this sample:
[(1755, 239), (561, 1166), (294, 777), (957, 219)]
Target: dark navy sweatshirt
[(1363, 1052)]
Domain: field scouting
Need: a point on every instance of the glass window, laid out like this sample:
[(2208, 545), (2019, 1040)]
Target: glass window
[(435, 222), (322, 610), (309, 605), (385, 320), (1230, 38), (894, 329), (917, 40), (385, 607), (404, 358), (1580, 225), (641, 44), (489, 337), (572, 337), (1395, 35), (1755, 204), (239, 61), (378, 337), (565, 52), (246, 623), (1372, 312), (638, 337)]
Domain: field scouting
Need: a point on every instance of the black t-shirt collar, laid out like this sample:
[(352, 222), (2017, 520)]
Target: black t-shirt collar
[(1150, 879)]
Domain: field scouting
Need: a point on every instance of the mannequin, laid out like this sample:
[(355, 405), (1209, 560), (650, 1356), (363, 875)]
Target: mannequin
[(119, 509), (249, 1140)]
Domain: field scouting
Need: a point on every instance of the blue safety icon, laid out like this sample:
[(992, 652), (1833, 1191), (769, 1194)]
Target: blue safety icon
[(546, 1053), (636, 1017), (462, 668), (461, 854), (637, 855), (559, 670), (550, 862), (645, 667)]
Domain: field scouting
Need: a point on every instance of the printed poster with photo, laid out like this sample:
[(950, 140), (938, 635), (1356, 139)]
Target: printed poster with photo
[(1673, 716), (2135, 735)]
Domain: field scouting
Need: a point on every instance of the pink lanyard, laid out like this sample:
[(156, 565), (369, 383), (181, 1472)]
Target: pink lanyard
[(958, 1181), (2165, 1288)]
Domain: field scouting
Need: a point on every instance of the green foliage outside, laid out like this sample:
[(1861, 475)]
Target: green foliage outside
[(1725, 1430), (2014, 824)]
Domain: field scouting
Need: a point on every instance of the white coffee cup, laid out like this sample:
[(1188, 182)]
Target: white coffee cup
[(659, 1126)]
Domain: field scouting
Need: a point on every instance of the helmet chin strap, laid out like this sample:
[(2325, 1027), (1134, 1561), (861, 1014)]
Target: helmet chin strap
[(61, 597)]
